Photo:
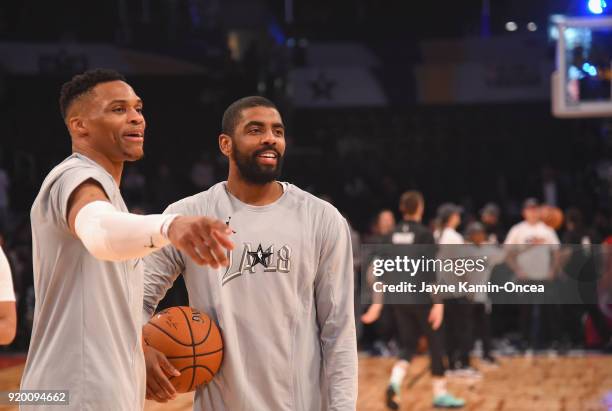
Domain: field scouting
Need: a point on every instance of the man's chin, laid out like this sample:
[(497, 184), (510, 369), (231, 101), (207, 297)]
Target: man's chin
[(134, 155)]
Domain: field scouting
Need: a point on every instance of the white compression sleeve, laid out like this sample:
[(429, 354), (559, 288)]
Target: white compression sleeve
[(109, 234)]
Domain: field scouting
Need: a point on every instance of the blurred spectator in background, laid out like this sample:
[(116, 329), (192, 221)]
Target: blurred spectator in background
[(458, 322), (476, 236), (382, 225), (489, 217), (580, 263), (377, 336), (449, 216)]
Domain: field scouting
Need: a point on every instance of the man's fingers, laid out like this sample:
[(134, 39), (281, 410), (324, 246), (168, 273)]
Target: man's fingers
[(151, 396), (221, 227), (201, 246), (223, 239), (168, 390), (217, 252), (204, 251), (204, 240), (167, 366), (166, 385), (157, 391), (167, 369), (191, 250)]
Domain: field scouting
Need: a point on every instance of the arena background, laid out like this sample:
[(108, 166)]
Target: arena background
[(378, 98)]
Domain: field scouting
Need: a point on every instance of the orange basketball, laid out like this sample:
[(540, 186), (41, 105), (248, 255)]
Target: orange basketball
[(552, 216), (191, 341)]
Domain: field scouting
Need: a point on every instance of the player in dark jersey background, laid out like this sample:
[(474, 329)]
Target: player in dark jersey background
[(419, 316), (580, 261)]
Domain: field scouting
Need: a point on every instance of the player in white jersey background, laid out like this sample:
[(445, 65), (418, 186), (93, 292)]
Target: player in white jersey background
[(88, 276), (285, 303), (535, 259)]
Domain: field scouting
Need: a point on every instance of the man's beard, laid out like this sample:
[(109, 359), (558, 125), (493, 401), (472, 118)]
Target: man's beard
[(253, 172)]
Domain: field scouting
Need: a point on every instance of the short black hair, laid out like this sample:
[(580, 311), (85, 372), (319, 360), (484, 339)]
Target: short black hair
[(232, 114), (410, 201), (83, 83)]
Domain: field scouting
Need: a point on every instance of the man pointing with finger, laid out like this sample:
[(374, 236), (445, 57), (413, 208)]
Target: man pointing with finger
[(87, 249)]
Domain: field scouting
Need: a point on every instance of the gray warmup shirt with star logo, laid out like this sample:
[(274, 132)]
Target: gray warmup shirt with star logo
[(284, 306)]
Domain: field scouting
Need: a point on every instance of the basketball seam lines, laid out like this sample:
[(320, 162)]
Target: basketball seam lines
[(207, 333), (197, 355), (171, 336), (193, 373), (195, 366)]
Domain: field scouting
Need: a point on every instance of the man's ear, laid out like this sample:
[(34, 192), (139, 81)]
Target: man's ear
[(225, 144), (76, 126)]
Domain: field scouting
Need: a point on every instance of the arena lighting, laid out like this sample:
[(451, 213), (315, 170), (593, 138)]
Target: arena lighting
[(531, 26), (590, 69), (597, 6), (511, 26)]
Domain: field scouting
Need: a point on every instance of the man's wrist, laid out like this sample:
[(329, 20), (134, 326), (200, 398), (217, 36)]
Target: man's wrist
[(165, 227)]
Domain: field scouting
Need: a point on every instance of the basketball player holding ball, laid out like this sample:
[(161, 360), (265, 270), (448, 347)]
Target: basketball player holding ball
[(87, 249), (285, 303)]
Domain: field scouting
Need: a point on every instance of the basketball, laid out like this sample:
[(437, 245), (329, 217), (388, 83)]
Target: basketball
[(192, 343), (552, 216)]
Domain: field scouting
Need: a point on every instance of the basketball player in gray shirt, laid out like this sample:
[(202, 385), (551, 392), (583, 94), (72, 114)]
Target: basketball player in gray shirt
[(87, 249), (285, 303)]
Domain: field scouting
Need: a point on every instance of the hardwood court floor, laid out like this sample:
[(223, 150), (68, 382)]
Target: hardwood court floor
[(519, 384)]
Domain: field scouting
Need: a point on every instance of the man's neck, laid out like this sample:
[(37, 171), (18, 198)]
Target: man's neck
[(412, 218), (254, 194), (113, 168)]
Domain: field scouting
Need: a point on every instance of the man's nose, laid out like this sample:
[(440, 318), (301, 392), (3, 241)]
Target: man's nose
[(268, 138), (135, 117)]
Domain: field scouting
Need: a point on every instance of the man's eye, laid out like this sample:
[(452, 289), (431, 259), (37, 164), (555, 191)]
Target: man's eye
[(253, 131), (118, 110), (139, 109)]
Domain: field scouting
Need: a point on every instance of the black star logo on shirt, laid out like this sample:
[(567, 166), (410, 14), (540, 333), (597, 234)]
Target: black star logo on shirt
[(260, 256)]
